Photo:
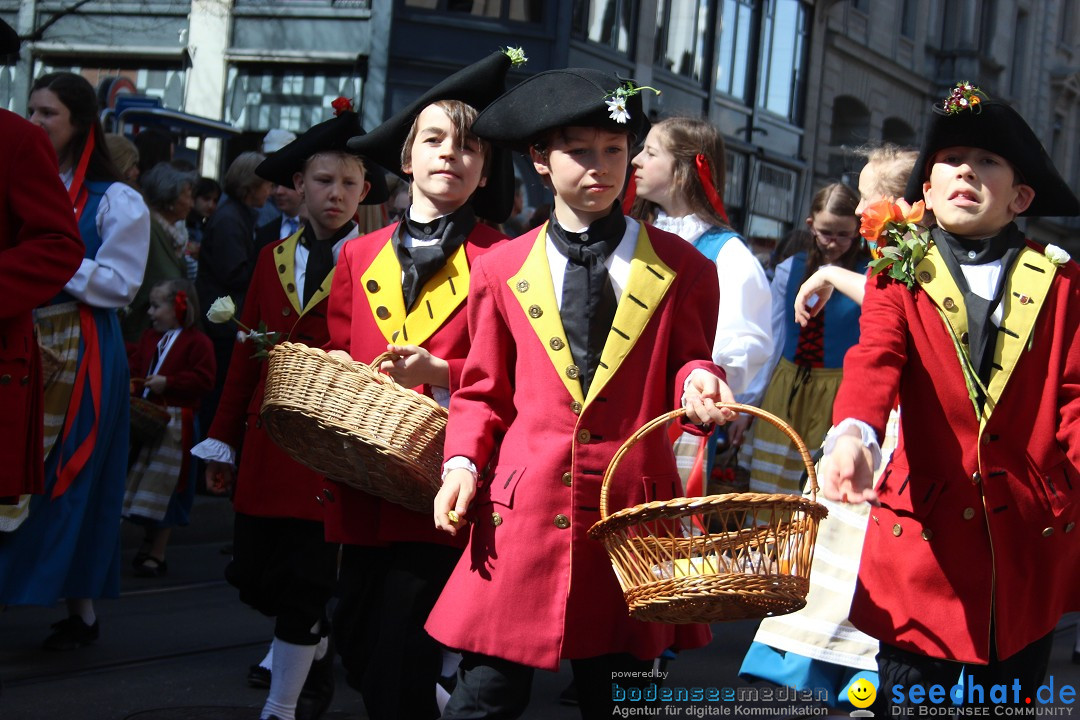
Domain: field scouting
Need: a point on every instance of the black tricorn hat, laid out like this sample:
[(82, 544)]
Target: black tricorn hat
[(9, 39), (562, 98), (992, 125), (476, 85), (328, 136)]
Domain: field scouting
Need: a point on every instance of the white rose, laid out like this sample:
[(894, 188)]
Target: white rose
[(1056, 255), (222, 311)]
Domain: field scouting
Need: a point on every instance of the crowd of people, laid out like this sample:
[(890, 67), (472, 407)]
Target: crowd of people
[(550, 337)]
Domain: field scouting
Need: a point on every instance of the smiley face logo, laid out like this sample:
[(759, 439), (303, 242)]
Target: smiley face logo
[(862, 693)]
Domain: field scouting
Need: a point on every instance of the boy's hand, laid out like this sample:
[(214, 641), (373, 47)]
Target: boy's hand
[(846, 472), (812, 296), (702, 392), (156, 383), (219, 477), (457, 492), (416, 366)]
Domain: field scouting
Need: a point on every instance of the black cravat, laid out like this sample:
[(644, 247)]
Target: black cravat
[(957, 251), (420, 262), (320, 259), (588, 299)]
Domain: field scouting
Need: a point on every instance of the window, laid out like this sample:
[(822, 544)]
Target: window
[(1065, 25), (606, 22), (784, 35), (898, 132), (518, 10), (733, 47), (1020, 51), (258, 99), (681, 33), (850, 122), (908, 18)]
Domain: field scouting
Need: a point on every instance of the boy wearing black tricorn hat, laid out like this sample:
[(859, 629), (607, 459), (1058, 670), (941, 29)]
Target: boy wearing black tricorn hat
[(977, 509), (404, 288), (582, 330), (281, 564)]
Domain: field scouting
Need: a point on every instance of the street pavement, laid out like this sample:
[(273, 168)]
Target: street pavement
[(179, 647)]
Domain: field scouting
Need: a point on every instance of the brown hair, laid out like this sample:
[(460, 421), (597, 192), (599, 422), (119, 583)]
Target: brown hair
[(176, 285), (836, 199), (339, 154), (685, 138), (462, 115), (240, 179), (78, 96)]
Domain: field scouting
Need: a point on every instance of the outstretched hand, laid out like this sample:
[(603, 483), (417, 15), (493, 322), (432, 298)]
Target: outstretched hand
[(847, 473), (702, 394), (812, 296)]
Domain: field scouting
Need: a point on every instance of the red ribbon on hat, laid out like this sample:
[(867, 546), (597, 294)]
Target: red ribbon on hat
[(180, 306), (705, 175)]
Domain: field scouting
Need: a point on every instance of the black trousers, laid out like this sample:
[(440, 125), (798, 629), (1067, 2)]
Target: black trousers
[(490, 687), (385, 596), (898, 667)]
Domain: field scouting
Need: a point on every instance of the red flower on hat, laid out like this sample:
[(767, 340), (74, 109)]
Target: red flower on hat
[(964, 96), (342, 104)]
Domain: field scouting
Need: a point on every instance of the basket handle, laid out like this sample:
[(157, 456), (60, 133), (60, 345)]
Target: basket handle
[(737, 407), (382, 356)]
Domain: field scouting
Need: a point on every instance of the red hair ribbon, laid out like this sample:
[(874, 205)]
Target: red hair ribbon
[(180, 306), (341, 104), (77, 192), (705, 175)]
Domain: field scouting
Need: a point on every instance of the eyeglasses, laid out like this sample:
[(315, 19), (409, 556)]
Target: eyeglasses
[(829, 236)]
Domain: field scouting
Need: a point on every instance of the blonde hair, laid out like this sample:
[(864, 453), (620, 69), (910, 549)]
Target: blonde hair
[(892, 165), (124, 153)]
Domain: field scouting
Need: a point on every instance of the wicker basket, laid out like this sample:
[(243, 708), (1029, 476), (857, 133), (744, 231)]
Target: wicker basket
[(721, 557), (354, 424), (148, 421)]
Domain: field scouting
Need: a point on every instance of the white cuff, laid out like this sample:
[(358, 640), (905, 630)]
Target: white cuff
[(215, 450), (459, 462), (869, 439)]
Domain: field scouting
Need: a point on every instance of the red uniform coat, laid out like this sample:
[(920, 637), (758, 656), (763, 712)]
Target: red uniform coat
[(189, 368), (269, 482), (369, 279), (532, 587), (977, 523), (40, 249)]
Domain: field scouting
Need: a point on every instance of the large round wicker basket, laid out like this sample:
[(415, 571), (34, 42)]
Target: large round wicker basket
[(722, 557), (354, 424)]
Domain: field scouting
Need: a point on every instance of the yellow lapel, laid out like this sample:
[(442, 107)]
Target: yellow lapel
[(285, 260), (441, 295), (1025, 292), (937, 281), (535, 292), (647, 284)]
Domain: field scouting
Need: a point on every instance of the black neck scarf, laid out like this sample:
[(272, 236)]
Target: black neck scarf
[(419, 263), (588, 299), (320, 258), (957, 251)]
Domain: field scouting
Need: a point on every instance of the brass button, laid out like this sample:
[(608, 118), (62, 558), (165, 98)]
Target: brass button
[(964, 337), (290, 287), (949, 304), (535, 311), (24, 380), (924, 277), (318, 500), (280, 249), (575, 407), (329, 495), (927, 534), (584, 436), (976, 478), (496, 519), (285, 312), (5, 379), (556, 344), (372, 286), (1069, 527), (562, 522), (522, 286), (1048, 532), (897, 530), (584, 237), (567, 479), (573, 372), (281, 268), (381, 312), (969, 513)]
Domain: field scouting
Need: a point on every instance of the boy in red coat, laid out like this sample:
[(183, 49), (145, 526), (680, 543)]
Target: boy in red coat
[(282, 565), (976, 512), (404, 287), (581, 330)]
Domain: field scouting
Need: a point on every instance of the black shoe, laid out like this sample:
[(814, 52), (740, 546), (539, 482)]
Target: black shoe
[(318, 689), (71, 634), (258, 677)]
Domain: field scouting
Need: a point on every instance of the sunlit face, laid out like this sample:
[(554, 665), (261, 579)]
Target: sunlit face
[(587, 169), (162, 313), (446, 170), (973, 192), (47, 112), (869, 187), (833, 234), (655, 170), (333, 185)]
